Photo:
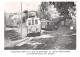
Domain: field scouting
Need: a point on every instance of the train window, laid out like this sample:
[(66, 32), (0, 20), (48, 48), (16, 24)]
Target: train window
[(29, 22), (47, 23), (36, 21), (32, 22)]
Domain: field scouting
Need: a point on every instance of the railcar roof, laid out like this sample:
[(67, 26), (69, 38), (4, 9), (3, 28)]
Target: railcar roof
[(33, 18)]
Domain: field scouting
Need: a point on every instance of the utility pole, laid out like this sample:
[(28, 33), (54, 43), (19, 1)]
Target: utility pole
[(21, 19)]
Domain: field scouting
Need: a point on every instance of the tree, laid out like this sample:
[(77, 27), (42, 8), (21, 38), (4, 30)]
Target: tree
[(43, 10), (25, 16), (63, 8), (72, 13), (53, 10), (47, 11)]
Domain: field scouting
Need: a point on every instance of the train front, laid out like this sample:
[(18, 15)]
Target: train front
[(33, 24)]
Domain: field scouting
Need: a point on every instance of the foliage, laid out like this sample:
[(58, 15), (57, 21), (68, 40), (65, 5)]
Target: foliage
[(43, 10), (25, 16), (47, 11), (61, 8)]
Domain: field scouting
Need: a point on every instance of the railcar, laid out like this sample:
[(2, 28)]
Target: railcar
[(46, 24), (33, 24)]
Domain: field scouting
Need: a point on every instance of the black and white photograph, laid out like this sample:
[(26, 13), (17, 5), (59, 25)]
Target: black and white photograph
[(45, 25)]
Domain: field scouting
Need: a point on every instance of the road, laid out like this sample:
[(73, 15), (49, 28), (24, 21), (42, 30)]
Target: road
[(60, 39)]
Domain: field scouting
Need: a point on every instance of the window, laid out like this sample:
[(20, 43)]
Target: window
[(36, 21), (29, 22), (32, 22), (47, 23)]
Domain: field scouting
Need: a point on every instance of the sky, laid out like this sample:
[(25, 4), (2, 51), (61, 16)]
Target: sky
[(12, 7)]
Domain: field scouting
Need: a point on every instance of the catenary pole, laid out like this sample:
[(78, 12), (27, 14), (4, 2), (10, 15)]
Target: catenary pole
[(21, 19)]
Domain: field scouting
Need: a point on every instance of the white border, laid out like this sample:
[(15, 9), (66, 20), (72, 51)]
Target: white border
[(7, 53)]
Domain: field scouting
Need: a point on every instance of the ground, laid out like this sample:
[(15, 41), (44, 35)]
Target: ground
[(61, 39)]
